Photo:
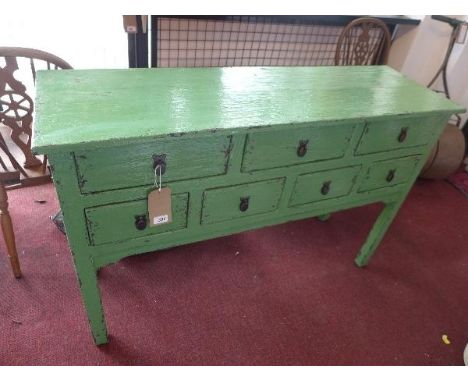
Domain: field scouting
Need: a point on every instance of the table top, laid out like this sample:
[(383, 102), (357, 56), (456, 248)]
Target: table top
[(77, 107)]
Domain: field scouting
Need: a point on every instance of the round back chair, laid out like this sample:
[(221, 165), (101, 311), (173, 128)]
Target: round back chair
[(18, 165), (17, 87), (364, 41)]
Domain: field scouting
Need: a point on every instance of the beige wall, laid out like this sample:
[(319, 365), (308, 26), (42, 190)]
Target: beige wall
[(418, 53), (402, 40)]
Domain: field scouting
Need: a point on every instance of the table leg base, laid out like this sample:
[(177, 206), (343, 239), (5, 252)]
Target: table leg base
[(377, 233)]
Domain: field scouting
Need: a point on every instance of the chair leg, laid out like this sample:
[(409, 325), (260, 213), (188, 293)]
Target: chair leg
[(8, 234)]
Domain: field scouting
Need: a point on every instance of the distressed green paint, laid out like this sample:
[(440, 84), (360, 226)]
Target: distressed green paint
[(99, 169), (311, 187), (377, 175), (378, 231), (105, 106), (384, 135), (279, 148), (223, 203), (77, 235), (105, 221), (228, 133)]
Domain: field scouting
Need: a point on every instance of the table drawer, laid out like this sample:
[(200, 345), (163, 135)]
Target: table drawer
[(295, 146), (131, 166), (395, 134), (389, 173), (226, 203), (118, 222), (323, 185)]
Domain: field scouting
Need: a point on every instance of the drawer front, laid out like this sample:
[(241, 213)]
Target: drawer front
[(295, 146), (131, 166), (389, 173), (323, 185), (117, 222), (396, 134), (226, 203)]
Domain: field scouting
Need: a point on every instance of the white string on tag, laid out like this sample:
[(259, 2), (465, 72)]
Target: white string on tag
[(156, 183)]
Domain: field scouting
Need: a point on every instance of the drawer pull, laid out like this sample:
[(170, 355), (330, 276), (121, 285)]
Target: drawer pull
[(391, 175), (160, 160), (244, 204), (302, 148), (140, 222), (403, 134), (325, 188)]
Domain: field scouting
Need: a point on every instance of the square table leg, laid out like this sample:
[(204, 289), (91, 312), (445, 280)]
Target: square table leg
[(377, 232), (91, 295)]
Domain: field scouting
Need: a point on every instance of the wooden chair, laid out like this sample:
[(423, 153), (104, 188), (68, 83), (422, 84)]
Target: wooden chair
[(364, 41), (17, 81), (19, 167), (7, 229)]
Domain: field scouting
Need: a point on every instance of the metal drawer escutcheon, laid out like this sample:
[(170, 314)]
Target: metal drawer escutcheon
[(160, 160), (325, 188), (302, 148), (244, 204), (403, 134), (140, 222), (391, 175)]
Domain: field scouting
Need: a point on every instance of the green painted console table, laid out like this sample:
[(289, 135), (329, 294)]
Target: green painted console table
[(241, 148)]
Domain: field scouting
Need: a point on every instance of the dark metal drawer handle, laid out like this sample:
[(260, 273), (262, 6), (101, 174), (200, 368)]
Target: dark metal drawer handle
[(159, 160), (140, 222), (244, 204), (403, 134), (325, 187), (391, 175), (302, 148)]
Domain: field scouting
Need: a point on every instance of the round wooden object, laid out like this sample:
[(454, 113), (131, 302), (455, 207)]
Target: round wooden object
[(446, 156)]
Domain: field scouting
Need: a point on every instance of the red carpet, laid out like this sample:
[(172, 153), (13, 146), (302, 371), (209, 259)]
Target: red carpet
[(460, 181), (288, 295)]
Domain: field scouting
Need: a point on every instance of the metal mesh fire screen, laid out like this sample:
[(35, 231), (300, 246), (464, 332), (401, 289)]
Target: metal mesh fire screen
[(243, 41)]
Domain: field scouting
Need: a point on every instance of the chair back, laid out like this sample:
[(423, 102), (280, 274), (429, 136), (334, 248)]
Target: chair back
[(364, 41), (18, 68)]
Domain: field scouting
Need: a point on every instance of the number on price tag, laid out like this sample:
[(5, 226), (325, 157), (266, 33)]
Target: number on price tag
[(160, 219)]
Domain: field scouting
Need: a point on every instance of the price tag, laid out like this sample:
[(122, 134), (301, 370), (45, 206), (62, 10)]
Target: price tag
[(160, 206)]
